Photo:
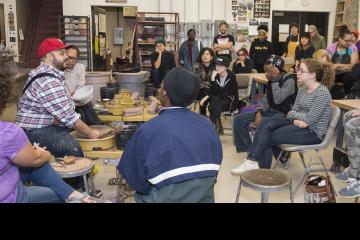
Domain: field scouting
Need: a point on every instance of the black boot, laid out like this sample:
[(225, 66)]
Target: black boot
[(220, 128)]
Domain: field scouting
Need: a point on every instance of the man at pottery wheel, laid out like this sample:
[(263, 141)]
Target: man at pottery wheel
[(46, 110)]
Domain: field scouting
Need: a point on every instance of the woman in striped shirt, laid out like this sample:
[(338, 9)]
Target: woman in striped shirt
[(305, 124)]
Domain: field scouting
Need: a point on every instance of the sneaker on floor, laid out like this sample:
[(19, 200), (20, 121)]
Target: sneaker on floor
[(246, 166), (352, 190), (344, 176)]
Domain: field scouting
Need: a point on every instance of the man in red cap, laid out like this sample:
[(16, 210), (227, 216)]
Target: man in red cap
[(46, 110)]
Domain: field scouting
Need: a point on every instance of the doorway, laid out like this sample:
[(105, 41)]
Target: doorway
[(304, 19), (117, 31), (2, 24)]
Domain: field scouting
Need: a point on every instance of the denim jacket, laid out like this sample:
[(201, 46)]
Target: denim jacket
[(184, 54)]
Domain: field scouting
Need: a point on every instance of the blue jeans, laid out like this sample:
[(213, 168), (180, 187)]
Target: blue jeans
[(57, 141), (157, 76), (34, 194), (275, 131), (241, 129), (45, 176)]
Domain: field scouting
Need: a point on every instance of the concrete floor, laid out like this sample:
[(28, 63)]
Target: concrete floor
[(226, 187)]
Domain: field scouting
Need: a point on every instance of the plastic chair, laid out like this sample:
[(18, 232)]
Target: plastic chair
[(303, 149), (244, 83)]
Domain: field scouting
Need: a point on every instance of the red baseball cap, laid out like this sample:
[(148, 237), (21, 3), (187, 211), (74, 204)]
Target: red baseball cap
[(50, 45), (356, 33)]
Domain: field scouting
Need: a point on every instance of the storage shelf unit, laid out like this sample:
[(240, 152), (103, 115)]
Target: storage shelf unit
[(75, 30), (151, 26), (347, 12)]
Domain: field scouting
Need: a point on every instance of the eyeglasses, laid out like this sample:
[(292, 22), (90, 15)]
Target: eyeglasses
[(347, 41), (242, 55), (72, 59)]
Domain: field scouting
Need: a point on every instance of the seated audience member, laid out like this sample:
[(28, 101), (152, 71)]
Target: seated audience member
[(224, 42), (162, 62), (21, 162), (204, 69), (162, 161), (351, 175), (223, 94), (329, 73), (305, 124), (280, 97), (261, 49), (243, 64), (304, 50), (75, 79), (189, 50), (316, 39), (344, 55)]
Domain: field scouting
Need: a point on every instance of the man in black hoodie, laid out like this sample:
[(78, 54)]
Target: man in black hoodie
[(261, 49)]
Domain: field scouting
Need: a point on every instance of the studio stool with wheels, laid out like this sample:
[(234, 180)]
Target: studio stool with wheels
[(265, 181)]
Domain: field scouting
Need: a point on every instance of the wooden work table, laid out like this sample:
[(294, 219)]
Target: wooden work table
[(348, 105)]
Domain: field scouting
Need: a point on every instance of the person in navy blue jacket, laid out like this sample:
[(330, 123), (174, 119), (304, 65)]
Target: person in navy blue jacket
[(175, 157)]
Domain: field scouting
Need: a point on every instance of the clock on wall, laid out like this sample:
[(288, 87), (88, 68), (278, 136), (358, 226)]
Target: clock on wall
[(305, 2)]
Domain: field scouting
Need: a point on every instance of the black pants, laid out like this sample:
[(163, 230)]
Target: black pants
[(218, 105), (350, 78), (203, 93), (88, 114)]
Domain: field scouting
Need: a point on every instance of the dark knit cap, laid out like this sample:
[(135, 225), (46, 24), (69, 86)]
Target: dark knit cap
[(182, 86)]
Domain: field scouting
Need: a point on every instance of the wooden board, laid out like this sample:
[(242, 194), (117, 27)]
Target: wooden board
[(347, 104)]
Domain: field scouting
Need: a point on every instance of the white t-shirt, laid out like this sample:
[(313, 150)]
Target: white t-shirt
[(75, 78)]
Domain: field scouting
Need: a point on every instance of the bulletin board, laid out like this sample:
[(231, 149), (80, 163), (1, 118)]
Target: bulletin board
[(262, 9)]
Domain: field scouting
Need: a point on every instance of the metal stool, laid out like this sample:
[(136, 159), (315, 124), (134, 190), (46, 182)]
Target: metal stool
[(265, 181), (82, 167)]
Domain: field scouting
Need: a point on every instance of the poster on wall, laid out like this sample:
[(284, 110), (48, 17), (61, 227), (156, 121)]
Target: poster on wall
[(242, 10), (262, 9)]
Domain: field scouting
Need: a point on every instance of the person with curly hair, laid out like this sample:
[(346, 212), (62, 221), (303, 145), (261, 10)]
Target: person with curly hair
[(329, 72)]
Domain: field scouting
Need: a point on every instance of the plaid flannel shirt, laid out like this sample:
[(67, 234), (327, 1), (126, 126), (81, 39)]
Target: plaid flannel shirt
[(46, 100)]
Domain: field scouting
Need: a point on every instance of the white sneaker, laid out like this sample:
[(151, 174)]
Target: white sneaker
[(246, 166)]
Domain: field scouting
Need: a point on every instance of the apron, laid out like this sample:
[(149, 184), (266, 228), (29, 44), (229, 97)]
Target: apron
[(291, 52)]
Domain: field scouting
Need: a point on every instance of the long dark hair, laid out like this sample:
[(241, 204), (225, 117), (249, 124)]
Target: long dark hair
[(212, 53)]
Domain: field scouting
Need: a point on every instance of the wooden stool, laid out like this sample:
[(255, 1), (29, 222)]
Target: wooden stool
[(265, 181), (81, 168)]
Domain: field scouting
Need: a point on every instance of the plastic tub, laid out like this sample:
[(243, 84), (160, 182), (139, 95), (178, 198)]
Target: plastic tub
[(97, 80), (123, 136), (135, 82)]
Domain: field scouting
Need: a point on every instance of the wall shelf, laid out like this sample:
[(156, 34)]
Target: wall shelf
[(67, 25)]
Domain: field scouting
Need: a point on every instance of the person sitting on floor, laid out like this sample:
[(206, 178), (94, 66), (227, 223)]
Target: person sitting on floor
[(162, 62), (175, 157), (204, 69), (75, 79), (21, 162), (223, 94), (306, 124), (280, 97), (351, 175), (243, 64)]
